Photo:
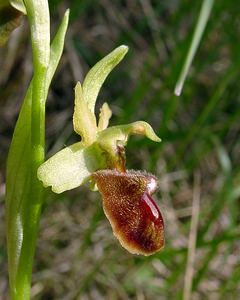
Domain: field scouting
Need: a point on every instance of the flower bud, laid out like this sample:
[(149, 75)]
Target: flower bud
[(133, 214)]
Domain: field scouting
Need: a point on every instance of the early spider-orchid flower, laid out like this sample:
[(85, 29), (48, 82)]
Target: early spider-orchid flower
[(99, 158)]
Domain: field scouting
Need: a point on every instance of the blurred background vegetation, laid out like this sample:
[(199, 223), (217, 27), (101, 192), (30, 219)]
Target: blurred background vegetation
[(197, 162)]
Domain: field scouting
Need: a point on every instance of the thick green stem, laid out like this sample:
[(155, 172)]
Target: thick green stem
[(38, 131), (30, 207), (23, 190)]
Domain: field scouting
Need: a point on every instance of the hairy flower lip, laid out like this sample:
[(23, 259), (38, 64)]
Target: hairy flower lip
[(153, 182), (133, 214)]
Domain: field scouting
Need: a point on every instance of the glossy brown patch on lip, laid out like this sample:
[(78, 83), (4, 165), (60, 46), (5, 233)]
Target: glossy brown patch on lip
[(134, 216)]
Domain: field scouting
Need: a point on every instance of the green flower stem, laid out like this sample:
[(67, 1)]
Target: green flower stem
[(23, 190), (39, 20), (38, 127), (38, 17)]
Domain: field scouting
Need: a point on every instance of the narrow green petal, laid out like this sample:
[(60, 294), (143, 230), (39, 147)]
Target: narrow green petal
[(104, 116), (84, 121), (70, 167), (98, 73)]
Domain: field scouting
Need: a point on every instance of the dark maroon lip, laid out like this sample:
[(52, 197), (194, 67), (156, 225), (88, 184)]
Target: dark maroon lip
[(133, 214)]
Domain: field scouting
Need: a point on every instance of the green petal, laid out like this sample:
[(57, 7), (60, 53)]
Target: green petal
[(104, 116), (71, 167), (84, 121), (98, 73)]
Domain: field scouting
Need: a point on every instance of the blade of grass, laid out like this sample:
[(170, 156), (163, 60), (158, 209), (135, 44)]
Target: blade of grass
[(198, 32)]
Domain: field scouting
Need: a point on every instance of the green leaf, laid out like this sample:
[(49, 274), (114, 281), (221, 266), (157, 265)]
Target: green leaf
[(56, 48), (98, 73), (84, 121), (71, 167)]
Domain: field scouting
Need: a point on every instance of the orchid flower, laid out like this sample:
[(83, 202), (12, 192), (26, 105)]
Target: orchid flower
[(99, 159)]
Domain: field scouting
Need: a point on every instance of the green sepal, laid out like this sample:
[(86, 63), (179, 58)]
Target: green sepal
[(71, 167), (98, 73)]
